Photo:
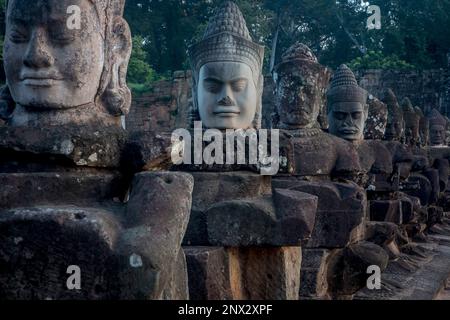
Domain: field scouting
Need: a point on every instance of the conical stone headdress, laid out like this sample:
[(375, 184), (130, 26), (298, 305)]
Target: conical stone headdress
[(409, 114), (377, 119), (392, 103), (299, 52), (227, 39), (345, 88), (436, 119)]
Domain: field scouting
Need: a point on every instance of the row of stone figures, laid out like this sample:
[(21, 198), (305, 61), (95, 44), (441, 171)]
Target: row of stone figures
[(78, 190)]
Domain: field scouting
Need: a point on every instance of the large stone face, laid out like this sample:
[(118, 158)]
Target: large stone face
[(301, 86), (300, 89), (438, 127), (55, 85), (227, 67), (377, 120), (347, 106)]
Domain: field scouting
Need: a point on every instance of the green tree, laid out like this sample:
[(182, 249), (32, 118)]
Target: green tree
[(139, 71), (377, 60)]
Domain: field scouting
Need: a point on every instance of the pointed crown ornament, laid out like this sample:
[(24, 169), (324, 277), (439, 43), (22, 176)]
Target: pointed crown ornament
[(299, 53), (436, 119), (345, 88), (227, 39), (394, 110), (409, 114)]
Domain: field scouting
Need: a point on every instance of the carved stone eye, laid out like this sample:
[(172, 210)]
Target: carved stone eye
[(239, 85), (61, 35), (212, 86), (339, 115), (356, 115), (18, 36)]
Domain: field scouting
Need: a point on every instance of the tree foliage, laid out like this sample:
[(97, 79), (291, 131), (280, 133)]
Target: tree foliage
[(376, 60), (139, 71), (412, 31)]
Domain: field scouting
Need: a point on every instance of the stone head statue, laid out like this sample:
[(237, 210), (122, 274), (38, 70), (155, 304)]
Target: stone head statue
[(424, 127), (395, 126), (347, 106), (377, 120), (438, 127), (412, 122), (227, 70), (301, 86), (66, 61)]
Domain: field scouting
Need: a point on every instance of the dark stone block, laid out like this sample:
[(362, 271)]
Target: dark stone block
[(341, 211), (208, 273), (81, 188), (386, 210), (84, 146), (288, 221)]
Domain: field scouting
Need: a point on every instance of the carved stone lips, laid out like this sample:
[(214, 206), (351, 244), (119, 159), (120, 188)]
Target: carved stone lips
[(227, 111), (349, 131), (39, 79)]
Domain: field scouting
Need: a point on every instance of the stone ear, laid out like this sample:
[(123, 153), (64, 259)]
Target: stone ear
[(194, 114), (7, 103), (257, 121), (117, 95)]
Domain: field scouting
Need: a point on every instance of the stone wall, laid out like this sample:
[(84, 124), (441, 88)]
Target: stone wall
[(167, 106), (426, 89)]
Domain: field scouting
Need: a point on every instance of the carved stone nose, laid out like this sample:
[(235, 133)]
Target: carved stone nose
[(226, 102), (37, 54)]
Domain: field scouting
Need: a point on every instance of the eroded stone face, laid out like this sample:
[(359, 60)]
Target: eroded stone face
[(227, 95), (375, 127), (394, 129), (298, 96), (347, 106), (47, 64), (437, 135), (347, 120)]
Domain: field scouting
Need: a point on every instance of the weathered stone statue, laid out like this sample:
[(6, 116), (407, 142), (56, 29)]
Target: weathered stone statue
[(49, 80), (347, 106), (401, 156), (228, 79), (412, 123), (77, 210), (438, 126), (421, 166), (395, 127), (239, 223), (314, 159), (301, 83), (438, 151), (377, 120), (424, 128), (347, 115)]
